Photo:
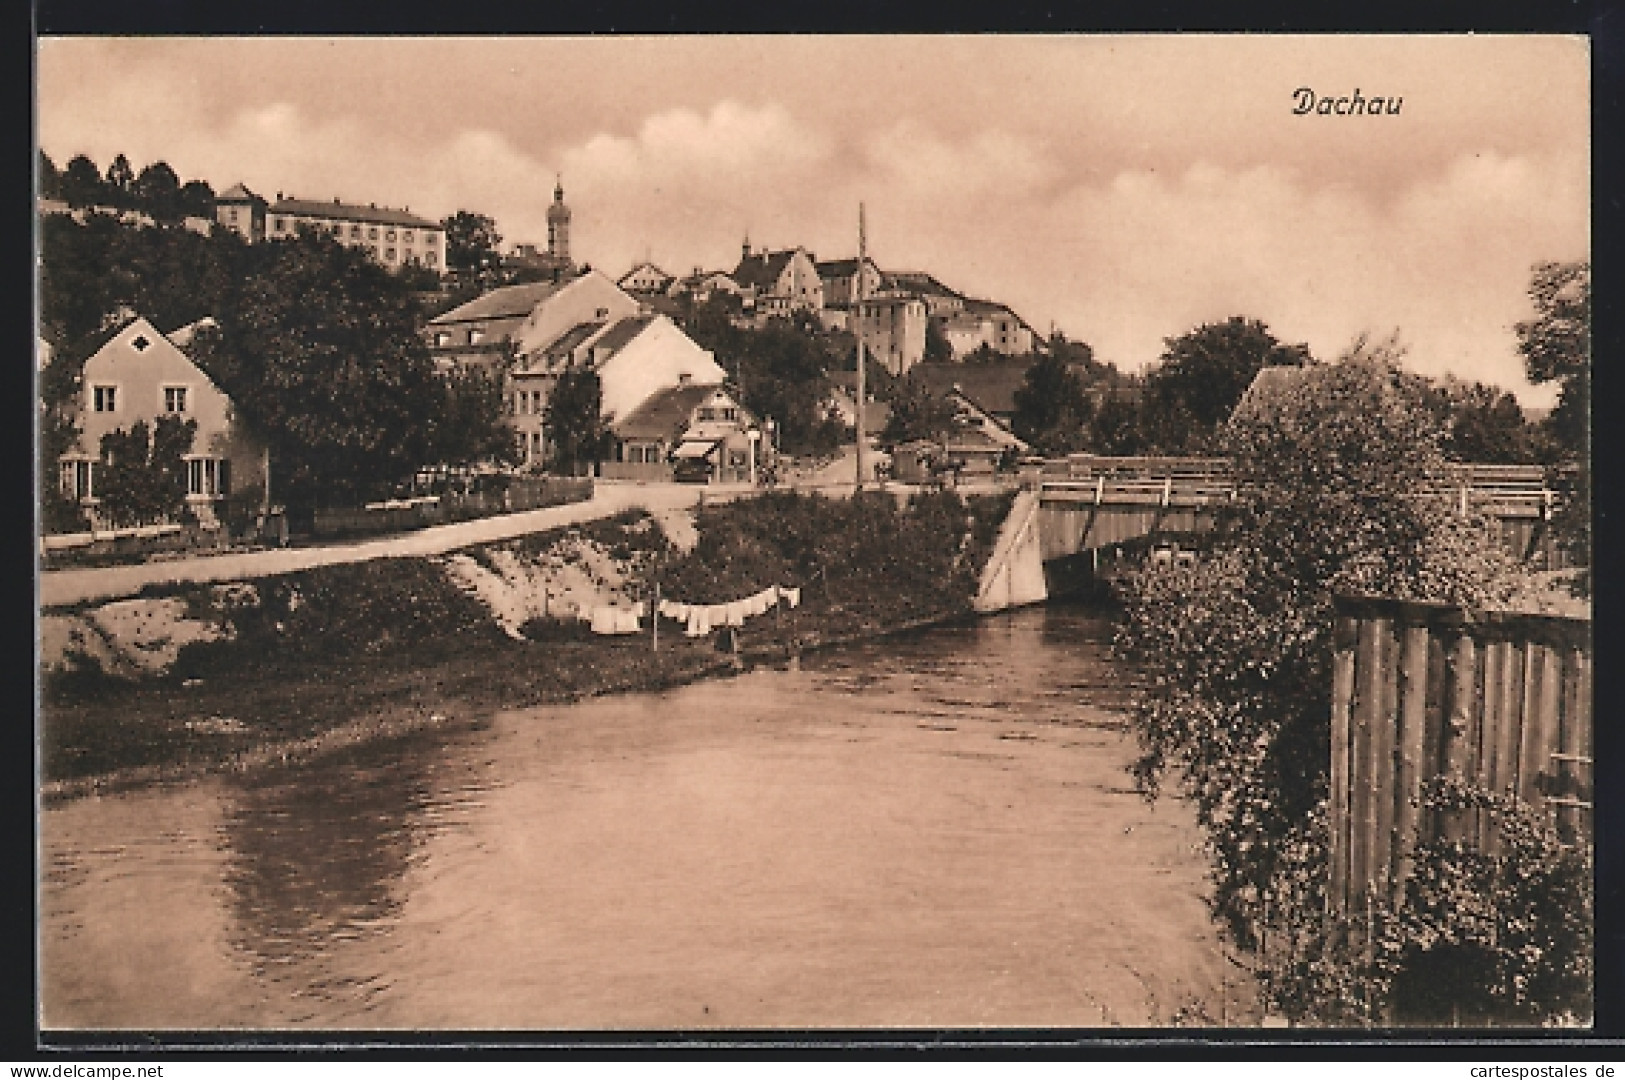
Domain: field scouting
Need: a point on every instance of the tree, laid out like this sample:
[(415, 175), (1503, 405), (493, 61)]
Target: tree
[(120, 181), (50, 178), (1115, 428), (1201, 376), (1556, 347), (1330, 497), (197, 199), (82, 183), (782, 372), (469, 428), (916, 413), (473, 245), (157, 190), (319, 351), (142, 476), (1486, 425), (938, 350), (1051, 407), (575, 423)]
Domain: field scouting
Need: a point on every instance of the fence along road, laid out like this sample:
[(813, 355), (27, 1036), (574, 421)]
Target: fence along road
[(60, 588)]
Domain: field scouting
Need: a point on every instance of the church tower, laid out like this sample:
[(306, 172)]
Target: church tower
[(558, 227)]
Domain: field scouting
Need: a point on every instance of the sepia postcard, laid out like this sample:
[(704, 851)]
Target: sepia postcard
[(813, 533)]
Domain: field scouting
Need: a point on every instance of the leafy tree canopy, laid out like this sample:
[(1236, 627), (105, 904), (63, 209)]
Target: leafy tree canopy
[(320, 354), (473, 245), (575, 423), (1201, 376), (1052, 407)]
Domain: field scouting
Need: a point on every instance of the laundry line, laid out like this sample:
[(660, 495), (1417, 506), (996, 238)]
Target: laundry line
[(698, 619)]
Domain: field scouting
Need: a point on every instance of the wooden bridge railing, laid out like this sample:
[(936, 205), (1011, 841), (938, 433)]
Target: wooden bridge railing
[(1499, 700)]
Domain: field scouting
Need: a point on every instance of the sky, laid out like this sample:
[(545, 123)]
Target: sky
[(1123, 189)]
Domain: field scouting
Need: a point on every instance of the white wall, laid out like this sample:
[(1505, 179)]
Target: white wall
[(651, 362), (578, 302)]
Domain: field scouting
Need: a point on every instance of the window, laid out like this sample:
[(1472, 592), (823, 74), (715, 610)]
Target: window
[(231, 215), (476, 335), (279, 224), (536, 445), (429, 237), (430, 258), (141, 344), (372, 233), (105, 398), (407, 236), (390, 235), (174, 399), (355, 232), (76, 479), (443, 338), (389, 254)]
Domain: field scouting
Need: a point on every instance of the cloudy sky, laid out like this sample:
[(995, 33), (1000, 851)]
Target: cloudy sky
[(1121, 188)]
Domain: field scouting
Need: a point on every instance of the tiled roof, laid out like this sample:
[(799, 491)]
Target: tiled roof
[(838, 268), (508, 302), (665, 415), (565, 344), (378, 215), (617, 336), (992, 387), (762, 271), (646, 266), (237, 193), (916, 280)]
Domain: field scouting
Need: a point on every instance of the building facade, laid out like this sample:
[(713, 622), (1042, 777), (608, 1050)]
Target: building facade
[(892, 330), (395, 238), (141, 375), (779, 283), (243, 212), (646, 277)]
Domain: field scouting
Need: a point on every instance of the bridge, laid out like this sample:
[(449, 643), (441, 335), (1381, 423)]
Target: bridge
[(1087, 504)]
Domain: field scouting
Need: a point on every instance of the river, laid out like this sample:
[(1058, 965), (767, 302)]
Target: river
[(933, 830)]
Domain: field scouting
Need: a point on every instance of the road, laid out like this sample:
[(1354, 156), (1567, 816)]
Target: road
[(61, 588)]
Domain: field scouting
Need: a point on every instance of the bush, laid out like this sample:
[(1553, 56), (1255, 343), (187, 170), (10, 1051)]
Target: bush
[(1503, 937), (1237, 650)]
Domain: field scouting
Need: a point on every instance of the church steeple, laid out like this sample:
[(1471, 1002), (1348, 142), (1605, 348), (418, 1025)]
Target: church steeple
[(558, 226)]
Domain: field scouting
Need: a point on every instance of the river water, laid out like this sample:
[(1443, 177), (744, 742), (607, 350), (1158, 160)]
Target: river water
[(934, 830)]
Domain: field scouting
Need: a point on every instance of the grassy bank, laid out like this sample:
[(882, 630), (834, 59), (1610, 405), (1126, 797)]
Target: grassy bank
[(328, 657)]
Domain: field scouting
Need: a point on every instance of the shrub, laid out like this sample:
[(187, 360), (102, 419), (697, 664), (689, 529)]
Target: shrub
[(1330, 474)]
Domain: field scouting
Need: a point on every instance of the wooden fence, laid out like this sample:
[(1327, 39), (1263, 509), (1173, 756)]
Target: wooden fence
[(1499, 700)]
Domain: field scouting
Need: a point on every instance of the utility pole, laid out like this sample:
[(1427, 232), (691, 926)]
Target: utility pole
[(862, 294)]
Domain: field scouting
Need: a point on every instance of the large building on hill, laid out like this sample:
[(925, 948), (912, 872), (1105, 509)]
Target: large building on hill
[(396, 238)]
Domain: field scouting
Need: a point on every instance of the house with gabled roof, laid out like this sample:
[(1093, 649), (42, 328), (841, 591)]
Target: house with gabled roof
[(779, 283), (844, 281), (689, 431), (141, 375), (242, 211), (646, 277), (476, 335), (701, 285)]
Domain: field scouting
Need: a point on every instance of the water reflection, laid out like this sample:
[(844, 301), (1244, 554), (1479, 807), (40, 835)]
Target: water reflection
[(927, 829), (318, 854)]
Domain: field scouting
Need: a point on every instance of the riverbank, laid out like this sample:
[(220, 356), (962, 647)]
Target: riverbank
[(334, 656)]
